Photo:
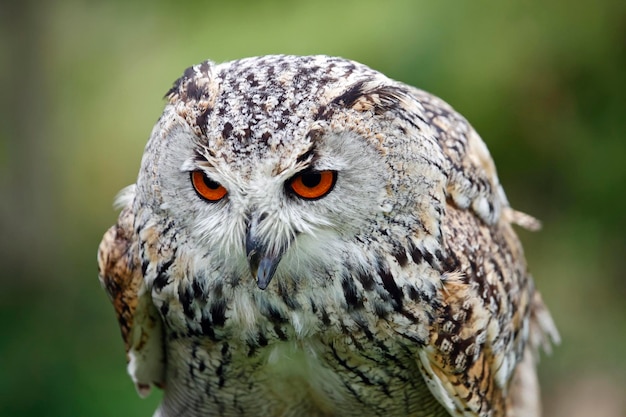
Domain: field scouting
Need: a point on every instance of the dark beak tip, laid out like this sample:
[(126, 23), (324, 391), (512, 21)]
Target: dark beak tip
[(261, 260), (265, 272)]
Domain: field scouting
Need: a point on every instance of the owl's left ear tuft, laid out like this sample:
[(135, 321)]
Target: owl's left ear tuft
[(371, 95)]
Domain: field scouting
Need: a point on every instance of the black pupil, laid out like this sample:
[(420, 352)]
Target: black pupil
[(210, 183), (311, 179)]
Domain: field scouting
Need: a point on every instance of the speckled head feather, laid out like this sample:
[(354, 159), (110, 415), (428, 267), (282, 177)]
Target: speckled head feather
[(309, 237)]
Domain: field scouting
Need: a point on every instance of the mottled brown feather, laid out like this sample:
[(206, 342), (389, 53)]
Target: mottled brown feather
[(479, 317), (119, 271)]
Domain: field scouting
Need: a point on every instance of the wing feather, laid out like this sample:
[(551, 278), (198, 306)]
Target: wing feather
[(490, 317), (120, 274)]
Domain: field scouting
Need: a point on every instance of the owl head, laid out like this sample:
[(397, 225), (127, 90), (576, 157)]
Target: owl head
[(282, 165)]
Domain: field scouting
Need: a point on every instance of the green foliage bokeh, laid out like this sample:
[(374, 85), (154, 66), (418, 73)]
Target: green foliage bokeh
[(82, 84)]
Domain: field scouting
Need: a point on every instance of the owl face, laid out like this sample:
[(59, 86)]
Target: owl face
[(273, 168)]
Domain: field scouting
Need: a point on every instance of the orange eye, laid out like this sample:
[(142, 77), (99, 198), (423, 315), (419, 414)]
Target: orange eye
[(312, 185), (207, 188)]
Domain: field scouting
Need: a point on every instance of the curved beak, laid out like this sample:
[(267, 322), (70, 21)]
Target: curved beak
[(262, 261)]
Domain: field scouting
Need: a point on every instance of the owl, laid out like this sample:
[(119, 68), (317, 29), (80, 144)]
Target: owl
[(307, 237)]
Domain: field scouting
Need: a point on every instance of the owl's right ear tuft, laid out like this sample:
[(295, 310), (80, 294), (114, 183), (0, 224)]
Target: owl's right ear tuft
[(193, 85)]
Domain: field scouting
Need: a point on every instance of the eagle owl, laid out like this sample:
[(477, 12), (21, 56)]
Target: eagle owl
[(307, 237)]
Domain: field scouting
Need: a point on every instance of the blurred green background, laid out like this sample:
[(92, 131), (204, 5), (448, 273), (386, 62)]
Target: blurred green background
[(82, 84)]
